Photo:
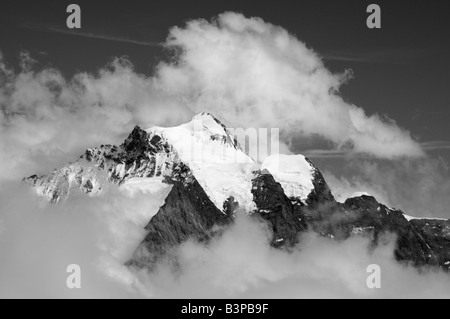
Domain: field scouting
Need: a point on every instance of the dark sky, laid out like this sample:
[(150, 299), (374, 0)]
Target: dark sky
[(402, 69)]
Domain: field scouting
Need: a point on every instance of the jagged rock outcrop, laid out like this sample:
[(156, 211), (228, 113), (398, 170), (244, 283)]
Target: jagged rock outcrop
[(142, 154), (369, 215), (436, 234)]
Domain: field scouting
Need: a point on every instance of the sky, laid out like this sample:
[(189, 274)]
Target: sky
[(368, 106), (400, 70)]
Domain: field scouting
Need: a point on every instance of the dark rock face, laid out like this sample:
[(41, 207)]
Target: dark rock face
[(88, 186), (367, 213), (274, 207), (436, 234), (140, 143), (321, 192), (365, 216), (187, 213), (230, 205), (137, 153), (419, 242)]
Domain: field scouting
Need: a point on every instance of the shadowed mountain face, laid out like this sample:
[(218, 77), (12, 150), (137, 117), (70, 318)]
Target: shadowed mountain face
[(290, 196), (275, 208), (187, 213)]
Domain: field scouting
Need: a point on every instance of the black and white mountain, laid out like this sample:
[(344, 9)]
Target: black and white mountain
[(212, 179)]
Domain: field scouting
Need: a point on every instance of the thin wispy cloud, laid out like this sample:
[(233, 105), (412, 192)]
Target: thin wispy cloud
[(331, 153), (89, 34), (102, 37), (419, 114), (436, 145), (318, 153), (385, 56)]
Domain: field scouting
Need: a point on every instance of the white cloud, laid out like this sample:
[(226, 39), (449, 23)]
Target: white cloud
[(252, 73), (38, 241)]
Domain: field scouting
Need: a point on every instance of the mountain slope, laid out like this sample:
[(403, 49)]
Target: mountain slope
[(187, 213)]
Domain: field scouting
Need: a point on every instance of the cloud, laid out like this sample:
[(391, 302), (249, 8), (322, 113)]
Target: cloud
[(86, 34), (375, 55), (435, 145), (101, 36), (319, 153), (254, 74), (39, 241)]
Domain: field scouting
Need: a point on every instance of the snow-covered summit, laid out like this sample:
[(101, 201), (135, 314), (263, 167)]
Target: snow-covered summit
[(221, 167), (204, 145), (203, 140)]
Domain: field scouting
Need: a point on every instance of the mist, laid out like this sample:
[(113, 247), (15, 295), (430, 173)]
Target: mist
[(38, 241)]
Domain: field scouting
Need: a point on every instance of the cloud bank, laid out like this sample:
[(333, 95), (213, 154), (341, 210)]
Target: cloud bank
[(255, 74), (38, 242), (241, 264)]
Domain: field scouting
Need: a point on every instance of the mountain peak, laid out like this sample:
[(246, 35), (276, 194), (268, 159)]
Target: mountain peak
[(210, 123), (203, 140), (210, 177), (204, 115)]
